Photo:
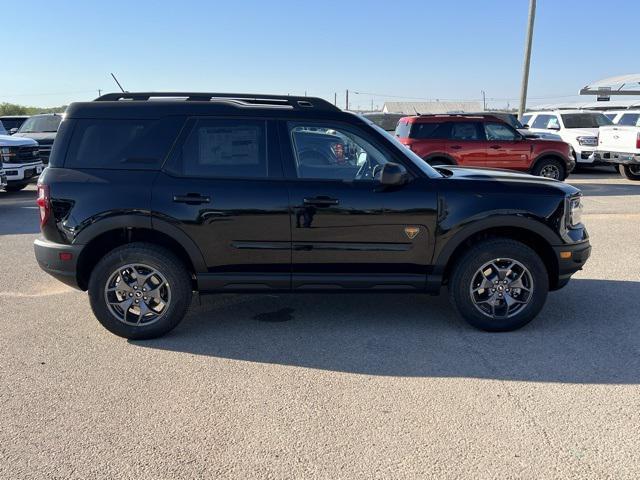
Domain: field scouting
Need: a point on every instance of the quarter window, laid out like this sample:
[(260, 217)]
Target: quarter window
[(325, 152), (225, 149)]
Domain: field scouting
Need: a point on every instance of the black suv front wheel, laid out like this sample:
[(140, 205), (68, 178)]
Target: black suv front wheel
[(499, 285), (140, 291)]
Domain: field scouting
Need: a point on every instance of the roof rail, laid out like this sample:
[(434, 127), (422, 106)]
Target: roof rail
[(243, 98)]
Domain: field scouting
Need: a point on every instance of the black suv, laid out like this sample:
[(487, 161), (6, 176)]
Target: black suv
[(151, 196)]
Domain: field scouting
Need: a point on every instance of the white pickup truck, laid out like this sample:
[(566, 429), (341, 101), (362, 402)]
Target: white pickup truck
[(21, 161), (620, 145)]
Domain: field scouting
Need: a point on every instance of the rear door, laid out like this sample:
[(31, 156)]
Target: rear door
[(467, 144), (506, 148), (223, 187), (347, 231)]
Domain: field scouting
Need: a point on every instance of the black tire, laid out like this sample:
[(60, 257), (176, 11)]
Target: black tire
[(632, 172), (156, 257), (466, 270), (15, 187), (550, 165)]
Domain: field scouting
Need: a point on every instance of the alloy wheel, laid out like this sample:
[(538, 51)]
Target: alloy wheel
[(501, 288), (550, 171), (137, 294)]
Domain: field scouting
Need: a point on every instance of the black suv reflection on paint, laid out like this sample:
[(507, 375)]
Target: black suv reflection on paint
[(151, 196)]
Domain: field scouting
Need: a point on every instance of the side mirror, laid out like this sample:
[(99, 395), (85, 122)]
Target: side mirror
[(393, 175), (13, 130), (526, 125)]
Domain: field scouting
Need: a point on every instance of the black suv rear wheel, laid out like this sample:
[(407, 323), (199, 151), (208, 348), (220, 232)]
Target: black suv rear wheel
[(140, 291), (499, 285)]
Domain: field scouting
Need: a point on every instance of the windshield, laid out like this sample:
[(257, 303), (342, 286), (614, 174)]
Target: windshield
[(418, 162), (584, 120), (45, 123)]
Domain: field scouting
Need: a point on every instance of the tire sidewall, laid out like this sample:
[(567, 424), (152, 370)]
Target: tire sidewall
[(550, 161), (158, 258), (625, 170), (478, 256)]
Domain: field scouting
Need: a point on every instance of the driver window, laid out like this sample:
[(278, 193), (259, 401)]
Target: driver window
[(324, 152), (497, 131)]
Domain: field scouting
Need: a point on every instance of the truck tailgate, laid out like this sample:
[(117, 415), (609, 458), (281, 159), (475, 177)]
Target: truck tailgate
[(619, 139)]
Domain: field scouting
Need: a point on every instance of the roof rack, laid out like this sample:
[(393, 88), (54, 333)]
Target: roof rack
[(246, 99)]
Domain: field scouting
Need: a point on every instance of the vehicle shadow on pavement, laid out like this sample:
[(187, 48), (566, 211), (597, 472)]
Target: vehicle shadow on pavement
[(609, 190), (587, 333), (18, 213)]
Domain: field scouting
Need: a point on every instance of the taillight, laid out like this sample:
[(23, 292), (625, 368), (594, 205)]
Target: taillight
[(638, 141), (44, 203)]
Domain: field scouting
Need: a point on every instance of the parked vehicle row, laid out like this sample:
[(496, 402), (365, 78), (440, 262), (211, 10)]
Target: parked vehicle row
[(25, 153), (483, 141), (620, 145), (145, 201)]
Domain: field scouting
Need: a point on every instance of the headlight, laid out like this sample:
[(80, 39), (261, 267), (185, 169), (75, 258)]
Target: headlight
[(575, 211), (588, 141)]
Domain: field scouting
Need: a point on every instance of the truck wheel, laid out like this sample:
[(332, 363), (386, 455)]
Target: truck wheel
[(632, 172), (139, 291), (15, 187), (550, 168), (499, 285)]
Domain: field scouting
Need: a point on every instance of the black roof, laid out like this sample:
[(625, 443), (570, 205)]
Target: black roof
[(157, 104)]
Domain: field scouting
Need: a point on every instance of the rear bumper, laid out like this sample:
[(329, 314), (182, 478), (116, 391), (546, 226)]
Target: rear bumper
[(618, 157), (571, 258), (48, 255)]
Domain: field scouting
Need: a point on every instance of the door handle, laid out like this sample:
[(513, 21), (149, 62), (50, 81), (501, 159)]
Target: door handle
[(495, 147), (192, 199), (455, 147), (321, 201)]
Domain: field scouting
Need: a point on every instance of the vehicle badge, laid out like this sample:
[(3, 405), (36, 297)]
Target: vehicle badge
[(411, 232)]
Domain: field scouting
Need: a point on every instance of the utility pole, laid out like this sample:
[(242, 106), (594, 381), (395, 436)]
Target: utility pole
[(335, 98), (527, 59), (484, 101), (346, 102), (372, 104)]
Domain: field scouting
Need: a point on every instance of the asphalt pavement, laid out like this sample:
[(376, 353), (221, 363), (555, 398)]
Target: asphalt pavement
[(340, 386)]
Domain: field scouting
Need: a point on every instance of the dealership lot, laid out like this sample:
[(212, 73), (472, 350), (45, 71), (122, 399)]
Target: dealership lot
[(336, 387)]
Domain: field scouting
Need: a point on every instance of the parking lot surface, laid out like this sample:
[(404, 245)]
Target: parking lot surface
[(316, 386)]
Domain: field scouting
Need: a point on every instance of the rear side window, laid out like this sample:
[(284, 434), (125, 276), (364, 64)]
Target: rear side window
[(403, 129), (130, 144), (225, 148), (629, 119), (465, 131), (424, 130)]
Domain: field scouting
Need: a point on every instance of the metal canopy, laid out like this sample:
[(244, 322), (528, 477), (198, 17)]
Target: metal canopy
[(620, 85)]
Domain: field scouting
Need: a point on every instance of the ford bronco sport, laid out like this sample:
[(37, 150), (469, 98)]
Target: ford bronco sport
[(149, 197)]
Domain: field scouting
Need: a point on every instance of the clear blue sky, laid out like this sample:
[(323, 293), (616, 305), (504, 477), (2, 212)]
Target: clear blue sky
[(56, 52)]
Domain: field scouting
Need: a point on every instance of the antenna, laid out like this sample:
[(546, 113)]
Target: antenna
[(116, 80)]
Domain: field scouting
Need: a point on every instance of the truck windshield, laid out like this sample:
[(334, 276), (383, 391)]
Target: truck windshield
[(585, 120), (46, 123)]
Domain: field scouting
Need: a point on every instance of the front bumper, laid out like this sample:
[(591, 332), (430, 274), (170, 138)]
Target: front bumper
[(618, 157), (22, 172), (48, 255), (571, 258), (584, 154)]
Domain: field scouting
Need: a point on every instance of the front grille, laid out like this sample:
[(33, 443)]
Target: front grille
[(27, 154)]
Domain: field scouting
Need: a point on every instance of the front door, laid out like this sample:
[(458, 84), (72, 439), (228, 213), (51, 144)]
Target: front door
[(223, 187), (347, 231), (505, 147)]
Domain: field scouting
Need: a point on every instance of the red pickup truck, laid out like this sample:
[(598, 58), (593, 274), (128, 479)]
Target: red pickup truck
[(483, 141)]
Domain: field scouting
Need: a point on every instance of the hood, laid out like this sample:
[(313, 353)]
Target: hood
[(507, 177), (582, 132), (12, 141), (43, 138)]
